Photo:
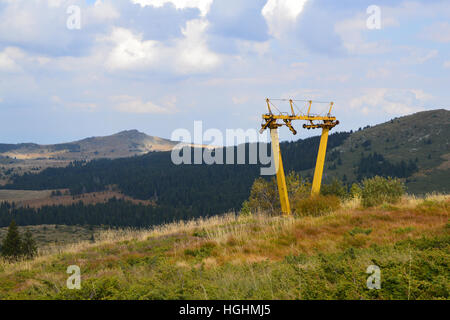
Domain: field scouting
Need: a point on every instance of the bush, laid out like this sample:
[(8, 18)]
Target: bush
[(355, 191), (378, 190), (335, 188), (263, 197), (264, 194), (316, 206)]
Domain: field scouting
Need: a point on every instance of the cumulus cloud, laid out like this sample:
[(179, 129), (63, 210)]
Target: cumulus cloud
[(130, 104), (214, 53), (130, 51), (353, 34), (192, 53), (390, 101), (281, 15), (202, 5), (7, 62), (189, 54)]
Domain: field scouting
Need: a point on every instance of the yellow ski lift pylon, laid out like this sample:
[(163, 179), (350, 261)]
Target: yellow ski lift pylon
[(326, 122)]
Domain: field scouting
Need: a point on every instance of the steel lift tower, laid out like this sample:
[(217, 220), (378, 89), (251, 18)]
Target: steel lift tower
[(326, 122)]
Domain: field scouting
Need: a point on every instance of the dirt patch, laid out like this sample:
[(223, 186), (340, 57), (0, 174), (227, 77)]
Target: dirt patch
[(446, 164), (86, 198)]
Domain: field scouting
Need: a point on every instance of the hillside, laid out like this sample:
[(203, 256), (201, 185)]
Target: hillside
[(422, 138), (413, 148), (255, 257), (31, 157), (119, 145)]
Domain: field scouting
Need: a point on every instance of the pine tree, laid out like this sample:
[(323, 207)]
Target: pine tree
[(12, 244), (29, 248)]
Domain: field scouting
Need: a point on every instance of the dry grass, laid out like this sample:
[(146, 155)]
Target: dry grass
[(240, 241), (262, 235)]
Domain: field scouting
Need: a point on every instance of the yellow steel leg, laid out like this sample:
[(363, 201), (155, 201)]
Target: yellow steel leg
[(281, 180), (320, 162)]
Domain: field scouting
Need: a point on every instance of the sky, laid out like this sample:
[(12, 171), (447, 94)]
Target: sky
[(75, 69)]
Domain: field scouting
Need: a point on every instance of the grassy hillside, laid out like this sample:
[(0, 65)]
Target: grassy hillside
[(256, 257), (48, 237), (423, 138)]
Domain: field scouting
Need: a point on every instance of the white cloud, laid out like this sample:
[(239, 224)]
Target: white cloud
[(86, 106), (351, 31), (129, 104), (102, 11), (438, 32), (282, 14), (189, 54), (192, 53), (447, 64), (7, 62), (390, 101), (419, 56), (130, 51), (202, 5)]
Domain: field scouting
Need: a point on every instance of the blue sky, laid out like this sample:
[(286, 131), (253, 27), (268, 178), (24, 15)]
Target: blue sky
[(159, 65)]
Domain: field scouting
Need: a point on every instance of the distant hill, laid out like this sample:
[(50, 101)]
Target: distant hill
[(119, 145)]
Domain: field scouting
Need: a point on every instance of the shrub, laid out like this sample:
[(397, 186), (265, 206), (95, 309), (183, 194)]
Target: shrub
[(263, 197), (355, 191), (316, 206), (335, 188), (378, 190), (264, 194)]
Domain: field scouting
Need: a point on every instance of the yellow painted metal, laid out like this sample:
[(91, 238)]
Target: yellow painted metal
[(331, 107), (320, 162), (325, 122), (292, 106), (281, 179), (309, 108)]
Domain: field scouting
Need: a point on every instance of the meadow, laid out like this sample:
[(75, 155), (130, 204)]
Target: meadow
[(256, 256)]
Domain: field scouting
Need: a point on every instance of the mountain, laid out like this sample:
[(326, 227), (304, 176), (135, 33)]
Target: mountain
[(414, 147), (119, 145)]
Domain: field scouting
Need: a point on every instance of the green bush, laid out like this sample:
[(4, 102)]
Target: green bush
[(378, 190), (335, 188), (316, 206), (264, 194), (355, 191)]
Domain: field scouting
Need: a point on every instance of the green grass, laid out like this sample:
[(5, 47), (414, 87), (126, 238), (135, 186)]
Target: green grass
[(49, 235), (256, 257)]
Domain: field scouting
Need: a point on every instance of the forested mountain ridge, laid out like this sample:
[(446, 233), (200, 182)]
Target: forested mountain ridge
[(414, 148)]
